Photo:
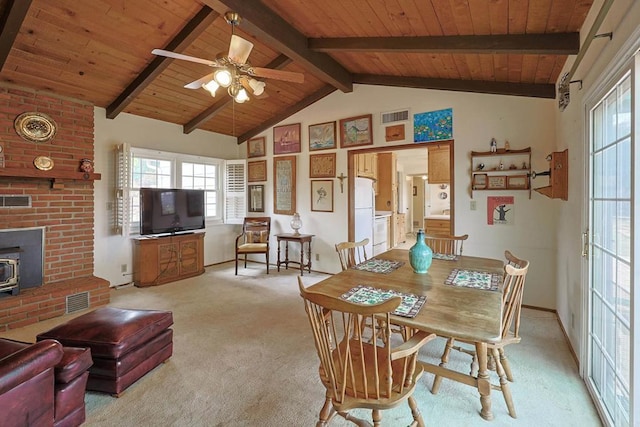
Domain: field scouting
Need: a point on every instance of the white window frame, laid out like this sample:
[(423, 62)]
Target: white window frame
[(176, 160)]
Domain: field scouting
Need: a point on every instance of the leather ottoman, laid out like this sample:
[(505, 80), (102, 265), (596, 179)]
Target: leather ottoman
[(125, 344)]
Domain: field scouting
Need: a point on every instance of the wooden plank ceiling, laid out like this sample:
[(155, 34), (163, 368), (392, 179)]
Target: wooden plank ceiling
[(100, 51)]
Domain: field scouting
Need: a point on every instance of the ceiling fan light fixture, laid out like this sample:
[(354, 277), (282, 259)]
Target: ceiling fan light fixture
[(211, 86), (257, 86), (223, 77), (241, 96)]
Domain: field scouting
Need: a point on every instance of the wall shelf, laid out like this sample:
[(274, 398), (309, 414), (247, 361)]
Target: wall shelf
[(53, 175), (558, 176), (488, 175)]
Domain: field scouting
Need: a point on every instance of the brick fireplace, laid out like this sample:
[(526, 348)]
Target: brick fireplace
[(61, 202)]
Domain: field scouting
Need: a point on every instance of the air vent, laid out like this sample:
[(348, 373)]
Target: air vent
[(10, 201), (77, 302), (395, 116)]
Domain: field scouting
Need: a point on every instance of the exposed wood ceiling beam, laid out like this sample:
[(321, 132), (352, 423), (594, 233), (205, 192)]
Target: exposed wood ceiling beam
[(540, 44), (262, 23), (10, 22), (280, 62), (316, 96), (194, 28), (497, 88)]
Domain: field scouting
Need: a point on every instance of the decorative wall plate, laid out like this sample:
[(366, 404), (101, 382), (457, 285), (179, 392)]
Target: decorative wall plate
[(43, 163), (35, 127)]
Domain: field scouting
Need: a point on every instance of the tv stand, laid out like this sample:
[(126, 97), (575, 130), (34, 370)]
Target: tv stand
[(163, 259)]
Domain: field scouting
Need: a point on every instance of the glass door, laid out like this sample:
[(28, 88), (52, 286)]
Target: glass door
[(611, 278)]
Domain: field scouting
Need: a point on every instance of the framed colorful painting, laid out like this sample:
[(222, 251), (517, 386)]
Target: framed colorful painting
[(286, 139), (356, 131), (322, 136)]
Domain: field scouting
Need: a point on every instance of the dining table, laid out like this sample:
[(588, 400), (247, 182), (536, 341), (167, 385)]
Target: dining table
[(467, 313)]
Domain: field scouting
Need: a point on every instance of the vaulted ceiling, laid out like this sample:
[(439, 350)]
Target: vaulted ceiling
[(99, 51)]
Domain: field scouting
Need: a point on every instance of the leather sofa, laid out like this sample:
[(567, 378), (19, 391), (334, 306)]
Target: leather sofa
[(42, 384)]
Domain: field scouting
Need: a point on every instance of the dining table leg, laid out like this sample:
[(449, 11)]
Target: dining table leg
[(484, 386)]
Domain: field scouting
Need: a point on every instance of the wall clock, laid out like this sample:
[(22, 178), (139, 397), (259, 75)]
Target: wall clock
[(35, 127)]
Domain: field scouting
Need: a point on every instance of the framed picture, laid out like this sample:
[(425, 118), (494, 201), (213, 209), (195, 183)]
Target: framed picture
[(518, 182), (322, 165), (322, 195), (497, 182), (322, 136), (394, 133), (356, 131), (284, 185), (256, 147), (257, 171), (286, 139), (256, 198), (415, 190), (479, 181)]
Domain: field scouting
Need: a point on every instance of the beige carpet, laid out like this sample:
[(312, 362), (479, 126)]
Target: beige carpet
[(244, 356)]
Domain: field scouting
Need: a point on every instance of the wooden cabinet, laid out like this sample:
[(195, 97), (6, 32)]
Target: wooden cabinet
[(438, 164), (437, 226), (558, 176), (503, 170), (400, 228), (366, 165), (159, 260)]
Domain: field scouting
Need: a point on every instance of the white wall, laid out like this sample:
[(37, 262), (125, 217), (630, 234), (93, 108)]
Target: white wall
[(112, 251), (525, 122), (571, 279)]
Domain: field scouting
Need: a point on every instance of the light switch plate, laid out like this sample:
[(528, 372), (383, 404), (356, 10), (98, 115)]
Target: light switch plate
[(472, 205)]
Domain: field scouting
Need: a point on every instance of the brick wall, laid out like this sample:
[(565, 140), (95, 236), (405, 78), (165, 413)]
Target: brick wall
[(66, 213)]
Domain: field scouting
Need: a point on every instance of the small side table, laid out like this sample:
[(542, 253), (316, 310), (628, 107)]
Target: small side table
[(300, 238)]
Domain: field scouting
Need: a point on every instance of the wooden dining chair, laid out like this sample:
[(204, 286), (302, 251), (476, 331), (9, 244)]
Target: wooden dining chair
[(352, 253), (512, 291), (355, 372), (446, 245), (254, 239)]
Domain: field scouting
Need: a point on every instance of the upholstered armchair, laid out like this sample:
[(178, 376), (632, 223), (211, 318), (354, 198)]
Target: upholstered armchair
[(42, 384), (254, 239)]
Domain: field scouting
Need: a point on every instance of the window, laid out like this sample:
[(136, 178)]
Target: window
[(140, 167)]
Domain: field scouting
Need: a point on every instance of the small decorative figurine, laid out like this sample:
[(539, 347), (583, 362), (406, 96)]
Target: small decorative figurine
[(86, 166), (507, 146), (494, 145), (481, 166), (501, 167)]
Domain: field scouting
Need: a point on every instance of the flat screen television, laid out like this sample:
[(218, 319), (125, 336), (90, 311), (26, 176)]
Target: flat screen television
[(170, 210)]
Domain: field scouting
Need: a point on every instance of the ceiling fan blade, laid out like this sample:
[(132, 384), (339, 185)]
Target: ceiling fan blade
[(268, 73), (197, 84), (239, 49), (174, 55)]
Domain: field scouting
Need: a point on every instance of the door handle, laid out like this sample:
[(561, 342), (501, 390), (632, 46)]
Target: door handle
[(585, 243)]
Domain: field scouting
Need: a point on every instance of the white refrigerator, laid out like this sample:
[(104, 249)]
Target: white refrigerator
[(364, 212)]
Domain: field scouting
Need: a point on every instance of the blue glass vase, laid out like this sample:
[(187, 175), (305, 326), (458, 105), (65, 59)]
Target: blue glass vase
[(420, 255)]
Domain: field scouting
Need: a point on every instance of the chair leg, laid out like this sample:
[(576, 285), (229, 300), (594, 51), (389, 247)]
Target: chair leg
[(445, 358), (376, 415), (245, 260), (236, 264), (504, 384), (417, 416), (475, 366), (267, 258), (326, 413), (505, 364)]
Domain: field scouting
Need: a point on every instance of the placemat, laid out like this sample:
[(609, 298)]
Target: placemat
[(474, 279), (445, 257), (376, 265), (363, 294)]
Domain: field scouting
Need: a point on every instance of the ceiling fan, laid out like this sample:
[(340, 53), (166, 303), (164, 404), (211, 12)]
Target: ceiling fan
[(232, 69)]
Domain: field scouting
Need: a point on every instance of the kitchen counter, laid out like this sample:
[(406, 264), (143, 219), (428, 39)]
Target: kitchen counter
[(382, 214), (447, 217)]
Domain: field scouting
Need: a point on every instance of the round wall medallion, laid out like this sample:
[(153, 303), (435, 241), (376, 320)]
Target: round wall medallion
[(443, 195), (43, 163), (35, 127)]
